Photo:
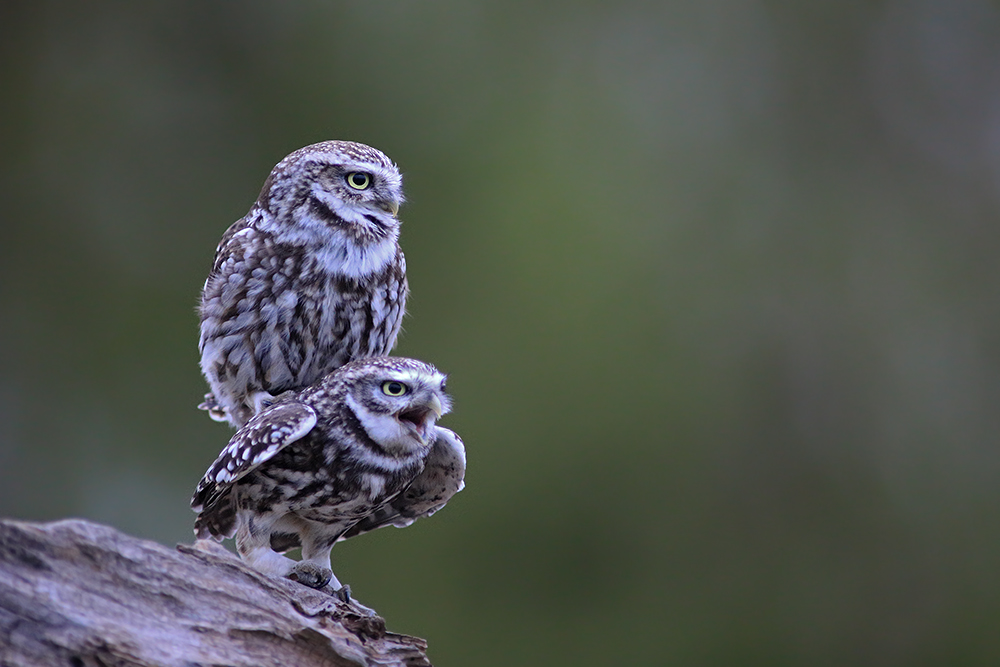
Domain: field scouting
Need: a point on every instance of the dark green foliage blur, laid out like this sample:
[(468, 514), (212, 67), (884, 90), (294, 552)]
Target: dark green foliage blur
[(717, 285)]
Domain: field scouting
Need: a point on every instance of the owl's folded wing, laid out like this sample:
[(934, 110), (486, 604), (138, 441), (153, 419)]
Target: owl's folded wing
[(443, 476), (260, 439)]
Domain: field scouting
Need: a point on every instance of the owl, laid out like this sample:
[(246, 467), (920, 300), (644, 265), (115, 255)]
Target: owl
[(356, 451), (311, 278)]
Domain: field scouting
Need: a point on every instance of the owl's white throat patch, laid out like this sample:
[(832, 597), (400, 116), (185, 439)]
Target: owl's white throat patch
[(338, 250), (342, 253), (356, 261)]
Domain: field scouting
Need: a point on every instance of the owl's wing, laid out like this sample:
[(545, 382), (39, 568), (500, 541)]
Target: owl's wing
[(233, 242), (443, 476), (266, 434)]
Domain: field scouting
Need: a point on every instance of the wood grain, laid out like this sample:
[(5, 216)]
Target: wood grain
[(81, 594)]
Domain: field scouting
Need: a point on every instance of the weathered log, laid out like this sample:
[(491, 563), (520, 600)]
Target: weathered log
[(81, 594)]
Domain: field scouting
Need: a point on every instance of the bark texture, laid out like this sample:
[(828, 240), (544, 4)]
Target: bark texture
[(80, 594)]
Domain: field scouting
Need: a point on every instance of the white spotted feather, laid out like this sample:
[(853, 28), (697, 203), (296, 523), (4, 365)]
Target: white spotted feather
[(311, 278), (358, 450)]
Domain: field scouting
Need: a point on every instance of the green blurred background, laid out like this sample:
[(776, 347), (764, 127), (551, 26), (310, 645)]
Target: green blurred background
[(716, 283)]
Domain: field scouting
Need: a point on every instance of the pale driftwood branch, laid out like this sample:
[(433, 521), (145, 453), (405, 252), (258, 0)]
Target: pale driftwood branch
[(80, 594)]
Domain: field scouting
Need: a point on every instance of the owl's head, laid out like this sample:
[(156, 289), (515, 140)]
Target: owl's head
[(334, 188), (397, 401)]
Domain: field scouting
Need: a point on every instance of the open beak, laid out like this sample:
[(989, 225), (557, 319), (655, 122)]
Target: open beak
[(421, 417)]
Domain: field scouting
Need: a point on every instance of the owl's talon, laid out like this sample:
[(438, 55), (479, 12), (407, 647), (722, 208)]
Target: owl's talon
[(311, 574), (215, 411), (343, 594), (209, 403)]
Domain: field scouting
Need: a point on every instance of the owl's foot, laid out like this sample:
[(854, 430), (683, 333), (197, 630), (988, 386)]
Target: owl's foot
[(311, 575), (343, 594), (215, 411), (259, 400)]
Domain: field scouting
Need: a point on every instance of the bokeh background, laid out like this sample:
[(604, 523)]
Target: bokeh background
[(716, 282)]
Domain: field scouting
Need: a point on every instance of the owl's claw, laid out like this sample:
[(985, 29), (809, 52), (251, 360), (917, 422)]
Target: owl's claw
[(311, 575), (215, 411), (260, 400), (343, 594), (209, 403)]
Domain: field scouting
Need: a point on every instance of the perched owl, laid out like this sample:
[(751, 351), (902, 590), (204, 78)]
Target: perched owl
[(311, 278), (356, 451)]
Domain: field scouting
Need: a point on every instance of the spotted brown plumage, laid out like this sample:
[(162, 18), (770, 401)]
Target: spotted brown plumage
[(311, 278), (356, 451)]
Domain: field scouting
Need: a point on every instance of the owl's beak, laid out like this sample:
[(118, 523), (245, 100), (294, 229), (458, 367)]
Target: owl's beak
[(435, 406), (389, 207), (422, 417)]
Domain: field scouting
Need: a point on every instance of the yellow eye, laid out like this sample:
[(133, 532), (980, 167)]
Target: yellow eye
[(359, 180), (393, 388)]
